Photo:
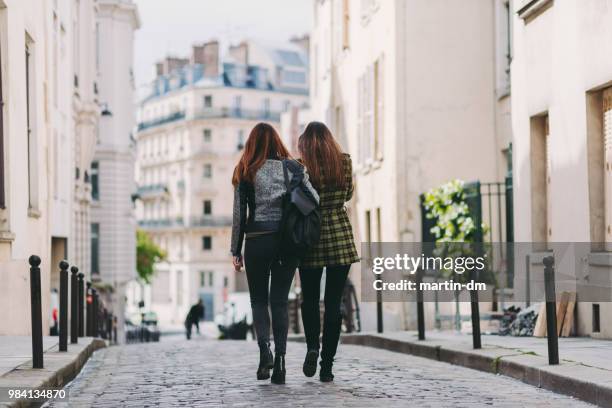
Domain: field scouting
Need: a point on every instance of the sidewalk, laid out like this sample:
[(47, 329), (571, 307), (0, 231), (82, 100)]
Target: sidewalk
[(59, 368), (585, 371)]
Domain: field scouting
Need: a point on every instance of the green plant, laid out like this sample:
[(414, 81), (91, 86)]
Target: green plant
[(147, 255), (447, 206)]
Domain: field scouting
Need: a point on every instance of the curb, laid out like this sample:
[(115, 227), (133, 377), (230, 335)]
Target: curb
[(58, 378), (542, 377)]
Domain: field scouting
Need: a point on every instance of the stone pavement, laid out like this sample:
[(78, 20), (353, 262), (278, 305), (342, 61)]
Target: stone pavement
[(584, 372), (210, 373), (17, 350), (16, 370)]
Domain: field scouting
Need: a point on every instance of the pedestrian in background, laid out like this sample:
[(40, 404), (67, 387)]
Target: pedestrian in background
[(259, 188), (196, 313), (331, 174)]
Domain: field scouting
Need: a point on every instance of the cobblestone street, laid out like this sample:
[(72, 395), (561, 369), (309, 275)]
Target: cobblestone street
[(214, 373)]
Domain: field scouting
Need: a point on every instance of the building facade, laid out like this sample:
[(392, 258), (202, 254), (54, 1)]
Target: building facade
[(191, 131), (24, 191), (113, 218), (562, 124), (415, 92)]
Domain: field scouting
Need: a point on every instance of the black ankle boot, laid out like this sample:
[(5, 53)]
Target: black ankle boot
[(265, 362), (310, 362), (278, 374), (325, 375)]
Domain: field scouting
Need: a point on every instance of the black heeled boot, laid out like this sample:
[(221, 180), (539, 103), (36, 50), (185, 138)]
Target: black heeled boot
[(325, 375), (278, 374), (265, 362), (310, 362)]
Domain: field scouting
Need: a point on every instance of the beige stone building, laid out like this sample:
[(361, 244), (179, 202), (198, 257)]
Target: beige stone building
[(562, 124), (191, 130), (24, 142), (418, 93)]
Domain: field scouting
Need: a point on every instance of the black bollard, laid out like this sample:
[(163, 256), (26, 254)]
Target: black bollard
[(36, 309), (81, 299), (89, 321), (379, 312), (63, 307), (420, 306), (475, 308), (74, 306), (94, 318), (551, 310)]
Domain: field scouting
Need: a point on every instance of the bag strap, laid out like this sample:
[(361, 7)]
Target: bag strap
[(286, 175)]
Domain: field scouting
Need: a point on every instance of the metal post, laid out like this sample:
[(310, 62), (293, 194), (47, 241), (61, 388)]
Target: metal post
[(527, 280), (475, 315), (63, 307), (551, 310), (379, 312), (81, 296), (36, 309), (94, 317), (420, 307), (74, 306), (89, 326)]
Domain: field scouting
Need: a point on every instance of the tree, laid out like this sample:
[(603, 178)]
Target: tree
[(147, 255)]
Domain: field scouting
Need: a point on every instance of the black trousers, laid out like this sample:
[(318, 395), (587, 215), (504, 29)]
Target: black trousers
[(269, 283), (332, 320)]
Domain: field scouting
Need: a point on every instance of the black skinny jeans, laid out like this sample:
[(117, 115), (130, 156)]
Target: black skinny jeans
[(332, 320), (261, 260)]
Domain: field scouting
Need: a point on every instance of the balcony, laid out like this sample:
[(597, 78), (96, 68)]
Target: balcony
[(194, 222), (152, 190), (210, 221), (162, 223), (176, 116), (214, 113), (237, 113)]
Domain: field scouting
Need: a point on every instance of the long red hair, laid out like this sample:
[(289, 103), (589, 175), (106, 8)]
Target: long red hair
[(322, 156), (262, 144)]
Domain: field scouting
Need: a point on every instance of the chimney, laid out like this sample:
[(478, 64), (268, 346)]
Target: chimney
[(170, 64), (197, 54), (210, 58), (303, 42), (240, 53)]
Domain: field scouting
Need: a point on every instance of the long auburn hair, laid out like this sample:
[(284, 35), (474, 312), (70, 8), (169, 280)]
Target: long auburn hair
[(322, 156), (262, 144)]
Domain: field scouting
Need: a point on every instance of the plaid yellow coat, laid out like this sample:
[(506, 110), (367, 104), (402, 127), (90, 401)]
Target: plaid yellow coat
[(336, 245)]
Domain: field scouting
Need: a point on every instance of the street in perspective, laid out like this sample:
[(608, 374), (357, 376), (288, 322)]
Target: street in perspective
[(318, 203)]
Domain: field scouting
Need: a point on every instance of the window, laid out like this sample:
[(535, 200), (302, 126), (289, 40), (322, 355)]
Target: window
[(225, 282), (95, 190), (238, 104), (202, 279), (179, 287), (378, 109), (207, 134), (540, 180), (207, 173), (30, 115), (294, 77), (211, 279), (207, 207), (208, 101), (266, 107), (370, 109), (206, 243), (599, 162), (95, 248), (240, 145)]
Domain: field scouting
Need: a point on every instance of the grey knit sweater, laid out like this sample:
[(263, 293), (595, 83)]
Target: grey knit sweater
[(258, 205)]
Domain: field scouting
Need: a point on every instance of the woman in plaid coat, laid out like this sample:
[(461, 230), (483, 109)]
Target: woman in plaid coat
[(331, 174)]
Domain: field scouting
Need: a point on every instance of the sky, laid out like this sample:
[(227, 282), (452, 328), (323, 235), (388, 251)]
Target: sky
[(170, 27)]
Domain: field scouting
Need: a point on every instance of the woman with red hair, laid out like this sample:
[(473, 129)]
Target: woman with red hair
[(259, 188)]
